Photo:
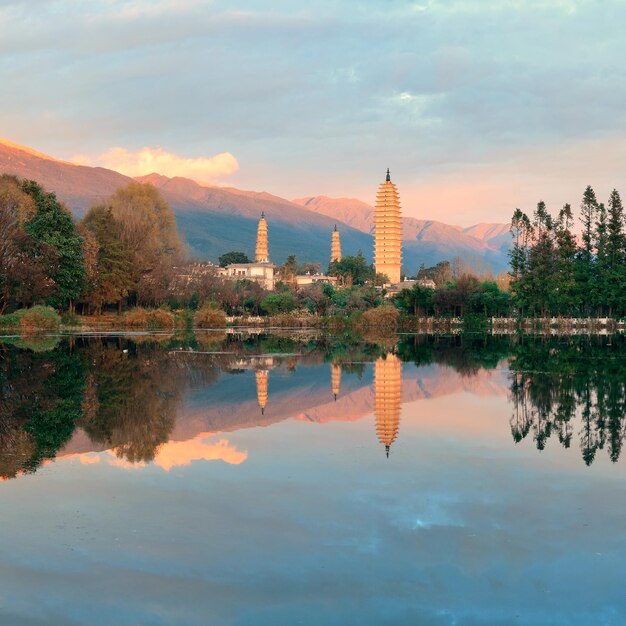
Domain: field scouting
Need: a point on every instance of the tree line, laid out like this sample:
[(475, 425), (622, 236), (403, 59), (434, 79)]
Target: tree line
[(122, 250), (554, 272)]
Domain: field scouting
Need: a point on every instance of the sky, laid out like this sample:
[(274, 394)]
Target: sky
[(477, 106)]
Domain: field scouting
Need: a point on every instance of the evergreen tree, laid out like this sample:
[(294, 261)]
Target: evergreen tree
[(542, 263), (566, 296), (522, 232), (616, 256), (53, 226), (599, 293), (584, 262)]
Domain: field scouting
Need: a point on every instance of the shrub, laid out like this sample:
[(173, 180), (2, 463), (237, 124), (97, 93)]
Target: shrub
[(149, 319), (136, 318), (276, 303), (383, 318), (161, 319), (38, 318), (209, 317)]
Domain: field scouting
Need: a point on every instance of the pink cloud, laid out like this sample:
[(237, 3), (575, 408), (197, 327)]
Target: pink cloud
[(149, 160)]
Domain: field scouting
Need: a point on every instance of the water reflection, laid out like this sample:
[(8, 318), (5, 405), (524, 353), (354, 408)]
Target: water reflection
[(387, 398), (166, 400)]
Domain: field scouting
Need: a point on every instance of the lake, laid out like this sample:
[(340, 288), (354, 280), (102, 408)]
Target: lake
[(297, 478)]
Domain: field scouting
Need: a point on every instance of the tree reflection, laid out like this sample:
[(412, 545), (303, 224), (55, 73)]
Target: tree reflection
[(570, 387)]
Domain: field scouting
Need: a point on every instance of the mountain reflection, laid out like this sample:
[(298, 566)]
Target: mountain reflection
[(169, 400)]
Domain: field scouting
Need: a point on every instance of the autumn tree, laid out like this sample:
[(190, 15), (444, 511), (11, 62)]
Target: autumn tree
[(110, 272), (147, 228)]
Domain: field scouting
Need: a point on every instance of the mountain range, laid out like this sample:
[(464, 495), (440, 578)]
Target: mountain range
[(214, 220)]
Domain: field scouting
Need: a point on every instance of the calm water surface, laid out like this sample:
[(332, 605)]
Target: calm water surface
[(292, 479)]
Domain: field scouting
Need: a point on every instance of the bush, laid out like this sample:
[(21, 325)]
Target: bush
[(384, 318), (149, 319), (37, 318), (209, 317), (161, 319), (276, 303)]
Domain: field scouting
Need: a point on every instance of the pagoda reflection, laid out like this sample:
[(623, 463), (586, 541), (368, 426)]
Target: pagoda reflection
[(262, 380), (335, 379), (387, 398)]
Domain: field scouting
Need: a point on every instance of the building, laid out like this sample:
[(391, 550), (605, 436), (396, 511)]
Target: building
[(304, 280), (262, 271), (387, 398), (407, 283), (335, 246), (388, 231)]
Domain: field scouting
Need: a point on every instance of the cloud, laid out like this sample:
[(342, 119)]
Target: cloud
[(150, 160)]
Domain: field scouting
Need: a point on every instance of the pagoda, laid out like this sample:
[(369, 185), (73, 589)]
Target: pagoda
[(335, 246), (262, 248), (388, 231), (387, 398)]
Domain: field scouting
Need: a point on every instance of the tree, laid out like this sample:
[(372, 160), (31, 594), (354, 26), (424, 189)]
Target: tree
[(599, 293), (147, 228), (522, 233), (352, 270), (110, 276), (415, 301), (541, 263), (275, 303), (584, 261), (233, 257), (16, 207), (290, 267), (567, 296), (489, 300), (616, 255), (53, 226)]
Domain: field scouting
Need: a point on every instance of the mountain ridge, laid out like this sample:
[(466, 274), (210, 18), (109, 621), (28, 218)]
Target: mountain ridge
[(214, 220)]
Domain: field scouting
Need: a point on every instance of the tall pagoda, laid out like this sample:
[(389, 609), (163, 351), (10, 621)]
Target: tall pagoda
[(262, 248), (387, 398), (388, 231), (335, 246)]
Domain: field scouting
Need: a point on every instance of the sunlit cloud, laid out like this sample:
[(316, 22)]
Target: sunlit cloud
[(181, 453), (157, 160), (203, 447)]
